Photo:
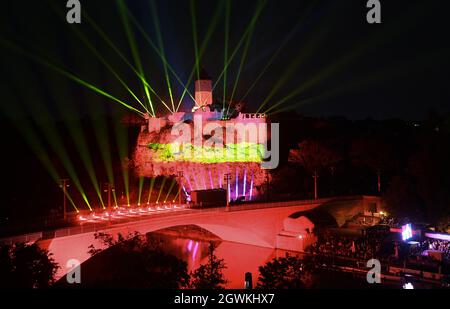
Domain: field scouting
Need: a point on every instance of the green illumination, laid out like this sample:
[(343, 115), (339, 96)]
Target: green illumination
[(161, 48), (246, 46), (225, 58), (233, 54), (211, 28), (141, 185), (122, 144), (176, 196), (36, 145), (68, 75), (94, 50), (152, 184), (114, 47), (49, 129), (134, 49), (170, 189), (163, 58), (241, 152), (275, 55), (194, 37), (160, 189)]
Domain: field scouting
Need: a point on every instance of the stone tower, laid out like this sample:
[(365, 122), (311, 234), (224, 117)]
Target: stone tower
[(203, 89)]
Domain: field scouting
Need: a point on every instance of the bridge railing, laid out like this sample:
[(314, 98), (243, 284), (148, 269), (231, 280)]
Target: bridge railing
[(277, 204), (93, 227), (26, 238)]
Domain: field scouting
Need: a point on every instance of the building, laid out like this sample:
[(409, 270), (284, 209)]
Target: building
[(224, 147)]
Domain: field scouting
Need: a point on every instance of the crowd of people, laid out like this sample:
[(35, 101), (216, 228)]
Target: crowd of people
[(374, 246), (433, 245), (358, 248)]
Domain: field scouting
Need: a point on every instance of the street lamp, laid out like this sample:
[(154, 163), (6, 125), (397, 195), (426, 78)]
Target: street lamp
[(109, 189), (226, 177), (64, 184), (180, 177)]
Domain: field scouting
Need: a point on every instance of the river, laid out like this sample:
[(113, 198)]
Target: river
[(241, 258)]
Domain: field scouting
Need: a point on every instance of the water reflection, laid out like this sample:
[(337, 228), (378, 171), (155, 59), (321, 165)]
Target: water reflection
[(240, 258)]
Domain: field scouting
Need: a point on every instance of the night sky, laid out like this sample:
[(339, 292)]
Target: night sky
[(396, 69)]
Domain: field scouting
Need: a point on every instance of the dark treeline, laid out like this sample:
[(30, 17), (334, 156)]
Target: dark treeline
[(411, 158)]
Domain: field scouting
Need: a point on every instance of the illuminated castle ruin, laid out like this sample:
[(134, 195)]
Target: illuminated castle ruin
[(220, 148)]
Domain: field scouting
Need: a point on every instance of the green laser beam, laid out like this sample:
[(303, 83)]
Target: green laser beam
[(134, 49), (51, 133), (141, 185), (275, 54), (152, 183), (160, 189), (400, 25), (122, 147), (156, 23), (77, 135), (225, 57), (374, 79), (194, 36), (212, 26), (33, 141), (94, 50), (176, 196), (233, 54), (163, 58), (68, 75), (170, 189), (305, 52), (124, 59), (259, 9), (101, 135)]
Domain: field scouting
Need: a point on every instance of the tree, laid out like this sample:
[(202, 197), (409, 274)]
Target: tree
[(210, 275), (376, 154), (402, 199), (132, 261), (288, 272), (314, 156), (26, 266), (430, 169)]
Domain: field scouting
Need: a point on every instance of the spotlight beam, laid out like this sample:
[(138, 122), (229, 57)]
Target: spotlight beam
[(163, 58), (102, 138), (225, 60), (28, 133), (160, 189), (161, 48), (306, 51), (134, 49), (89, 45), (141, 185), (259, 9), (275, 54), (194, 37), (68, 75), (233, 54), (51, 133), (170, 189), (346, 59), (77, 135), (212, 26), (374, 78), (122, 147), (124, 59), (108, 66), (152, 183)]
